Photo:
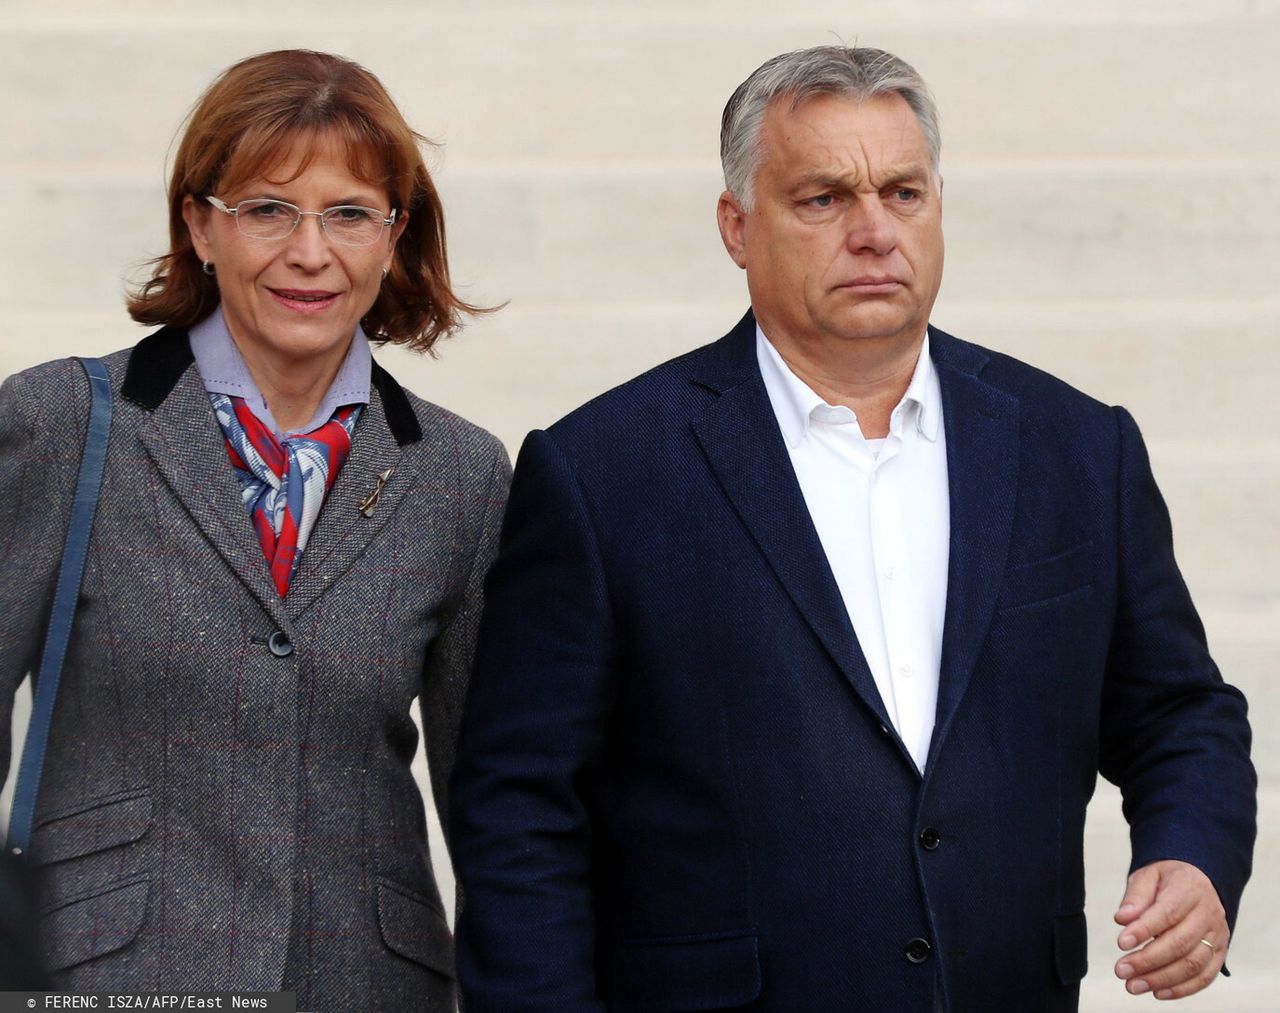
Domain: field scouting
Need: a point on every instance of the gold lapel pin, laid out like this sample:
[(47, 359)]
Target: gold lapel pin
[(369, 502)]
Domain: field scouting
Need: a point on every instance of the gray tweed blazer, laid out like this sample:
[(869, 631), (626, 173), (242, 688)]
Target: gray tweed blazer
[(227, 802)]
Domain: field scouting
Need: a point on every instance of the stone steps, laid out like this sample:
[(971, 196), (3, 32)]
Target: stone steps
[(1112, 215)]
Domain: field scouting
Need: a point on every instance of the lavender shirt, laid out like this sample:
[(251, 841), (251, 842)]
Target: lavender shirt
[(223, 370)]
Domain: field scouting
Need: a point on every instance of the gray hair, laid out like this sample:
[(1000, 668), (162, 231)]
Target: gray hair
[(853, 72)]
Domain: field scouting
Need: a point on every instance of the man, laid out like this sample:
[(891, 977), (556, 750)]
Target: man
[(804, 650)]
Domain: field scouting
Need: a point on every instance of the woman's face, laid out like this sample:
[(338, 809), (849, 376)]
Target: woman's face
[(295, 302)]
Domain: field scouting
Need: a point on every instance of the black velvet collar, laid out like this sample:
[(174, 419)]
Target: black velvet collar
[(159, 360), (155, 366), (401, 418)]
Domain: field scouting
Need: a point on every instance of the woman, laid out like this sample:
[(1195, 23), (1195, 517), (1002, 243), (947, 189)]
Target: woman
[(289, 548)]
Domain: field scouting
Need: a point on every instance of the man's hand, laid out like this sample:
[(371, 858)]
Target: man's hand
[(1174, 909)]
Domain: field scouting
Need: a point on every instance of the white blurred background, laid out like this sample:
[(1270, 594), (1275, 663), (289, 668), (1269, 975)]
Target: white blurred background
[(1112, 212)]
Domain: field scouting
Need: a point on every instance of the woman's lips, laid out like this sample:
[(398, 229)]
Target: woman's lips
[(304, 300)]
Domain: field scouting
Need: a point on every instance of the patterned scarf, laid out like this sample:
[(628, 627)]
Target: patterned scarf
[(283, 485)]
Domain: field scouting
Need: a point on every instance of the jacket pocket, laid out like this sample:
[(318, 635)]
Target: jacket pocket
[(1070, 948), (92, 826), (692, 973), (414, 927), (93, 924), (1043, 580)]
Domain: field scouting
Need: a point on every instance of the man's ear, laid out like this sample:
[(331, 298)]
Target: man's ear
[(197, 219), (733, 227)]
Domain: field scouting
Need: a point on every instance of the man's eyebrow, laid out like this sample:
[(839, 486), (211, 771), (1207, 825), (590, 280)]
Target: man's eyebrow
[(825, 181), (895, 174), (892, 176)]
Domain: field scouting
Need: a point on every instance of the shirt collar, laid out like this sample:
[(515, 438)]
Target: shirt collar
[(794, 401), (925, 393), (223, 371)]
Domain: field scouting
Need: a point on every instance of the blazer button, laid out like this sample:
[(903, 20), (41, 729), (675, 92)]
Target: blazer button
[(918, 950), (930, 839), (279, 644)]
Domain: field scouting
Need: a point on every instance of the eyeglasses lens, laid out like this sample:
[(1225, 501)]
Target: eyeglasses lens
[(348, 225)]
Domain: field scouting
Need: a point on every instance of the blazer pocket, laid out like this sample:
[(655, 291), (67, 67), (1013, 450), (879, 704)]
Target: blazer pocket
[(1043, 580), (414, 927), (92, 826), (697, 973), (93, 924), (1070, 948)]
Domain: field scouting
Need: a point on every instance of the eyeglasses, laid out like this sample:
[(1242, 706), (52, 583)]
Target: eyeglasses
[(346, 224)]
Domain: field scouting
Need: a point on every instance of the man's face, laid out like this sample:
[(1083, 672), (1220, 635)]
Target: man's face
[(844, 242)]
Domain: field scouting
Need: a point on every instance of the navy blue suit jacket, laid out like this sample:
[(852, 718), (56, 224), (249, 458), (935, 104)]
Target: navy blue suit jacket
[(677, 786)]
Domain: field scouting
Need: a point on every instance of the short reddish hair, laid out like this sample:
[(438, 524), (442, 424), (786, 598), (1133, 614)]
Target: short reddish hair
[(255, 117)]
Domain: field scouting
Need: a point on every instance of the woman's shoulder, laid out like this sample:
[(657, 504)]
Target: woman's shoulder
[(437, 426), (48, 404), (63, 379), (450, 445), (52, 397), (473, 438), (44, 415)]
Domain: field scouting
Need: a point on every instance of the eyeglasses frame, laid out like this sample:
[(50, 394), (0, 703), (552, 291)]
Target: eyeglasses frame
[(231, 211)]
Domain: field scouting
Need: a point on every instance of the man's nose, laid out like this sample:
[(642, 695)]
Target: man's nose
[(871, 228)]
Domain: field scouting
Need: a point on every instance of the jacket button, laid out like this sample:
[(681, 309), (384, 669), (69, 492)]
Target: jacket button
[(918, 950), (930, 839), (279, 644)]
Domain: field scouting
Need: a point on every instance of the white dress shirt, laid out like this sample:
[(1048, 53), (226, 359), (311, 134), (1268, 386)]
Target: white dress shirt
[(883, 514)]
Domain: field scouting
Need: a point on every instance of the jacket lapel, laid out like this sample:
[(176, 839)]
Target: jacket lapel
[(740, 437), (343, 531), (982, 427), (186, 445)]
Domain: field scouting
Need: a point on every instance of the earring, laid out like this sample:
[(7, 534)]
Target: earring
[(385, 271), (207, 268)]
